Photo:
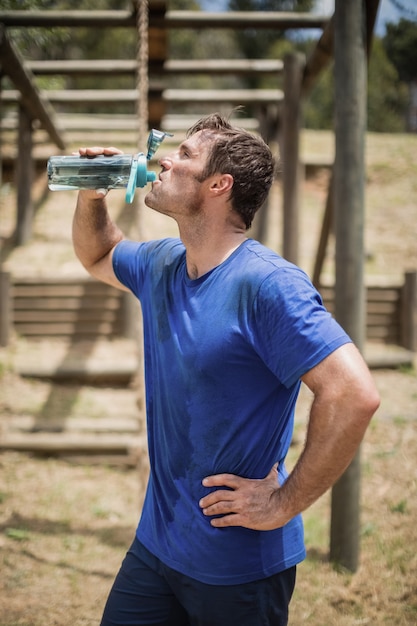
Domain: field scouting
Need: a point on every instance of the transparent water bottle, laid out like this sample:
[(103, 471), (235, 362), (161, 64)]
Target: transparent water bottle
[(119, 171)]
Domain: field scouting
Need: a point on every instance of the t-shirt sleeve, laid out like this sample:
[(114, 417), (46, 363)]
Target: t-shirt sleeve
[(134, 262), (293, 330)]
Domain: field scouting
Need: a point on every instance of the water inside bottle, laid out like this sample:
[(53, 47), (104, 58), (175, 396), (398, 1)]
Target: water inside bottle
[(79, 172)]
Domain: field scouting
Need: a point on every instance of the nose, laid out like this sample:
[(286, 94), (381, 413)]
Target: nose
[(165, 162)]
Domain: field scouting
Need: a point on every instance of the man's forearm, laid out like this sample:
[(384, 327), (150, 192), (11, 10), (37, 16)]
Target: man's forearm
[(328, 451), (94, 233)]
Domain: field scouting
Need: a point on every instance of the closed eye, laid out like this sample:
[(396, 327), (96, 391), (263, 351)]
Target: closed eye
[(184, 153)]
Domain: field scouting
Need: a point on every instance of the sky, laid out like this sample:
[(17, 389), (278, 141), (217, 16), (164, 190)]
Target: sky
[(387, 11)]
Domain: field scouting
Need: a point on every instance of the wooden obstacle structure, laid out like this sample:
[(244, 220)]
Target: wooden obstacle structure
[(36, 124), (160, 68)]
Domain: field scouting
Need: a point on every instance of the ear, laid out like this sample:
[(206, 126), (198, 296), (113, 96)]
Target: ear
[(220, 184)]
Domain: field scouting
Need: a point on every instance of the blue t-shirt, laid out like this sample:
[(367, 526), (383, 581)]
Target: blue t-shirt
[(223, 359)]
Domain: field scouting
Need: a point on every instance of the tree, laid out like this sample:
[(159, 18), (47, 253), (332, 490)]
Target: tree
[(387, 95), (400, 43)]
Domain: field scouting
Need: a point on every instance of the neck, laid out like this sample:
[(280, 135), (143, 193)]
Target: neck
[(207, 250)]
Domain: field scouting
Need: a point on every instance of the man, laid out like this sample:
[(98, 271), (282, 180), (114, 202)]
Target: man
[(230, 331)]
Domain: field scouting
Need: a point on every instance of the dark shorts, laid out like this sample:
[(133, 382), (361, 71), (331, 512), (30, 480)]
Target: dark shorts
[(147, 592)]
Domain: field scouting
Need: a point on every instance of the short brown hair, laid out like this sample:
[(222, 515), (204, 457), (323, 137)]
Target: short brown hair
[(245, 156)]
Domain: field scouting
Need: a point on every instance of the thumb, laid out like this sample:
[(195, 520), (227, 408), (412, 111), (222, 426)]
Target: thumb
[(274, 470), (273, 474)]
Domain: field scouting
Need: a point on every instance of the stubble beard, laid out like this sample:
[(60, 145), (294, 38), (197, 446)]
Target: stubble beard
[(191, 207)]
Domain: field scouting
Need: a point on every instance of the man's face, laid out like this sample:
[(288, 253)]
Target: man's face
[(179, 190)]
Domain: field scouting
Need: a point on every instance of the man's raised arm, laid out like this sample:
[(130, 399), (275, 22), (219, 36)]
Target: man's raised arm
[(94, 234)]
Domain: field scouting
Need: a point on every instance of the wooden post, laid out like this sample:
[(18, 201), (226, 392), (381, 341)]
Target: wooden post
[(291, 124), (24, 177), (268, 128), (321, 56), (326, 229), (5, 308), (409, 312), (1, 135), (349, 172)]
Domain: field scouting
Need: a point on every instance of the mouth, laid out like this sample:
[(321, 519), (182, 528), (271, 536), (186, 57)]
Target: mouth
[(155, 183)]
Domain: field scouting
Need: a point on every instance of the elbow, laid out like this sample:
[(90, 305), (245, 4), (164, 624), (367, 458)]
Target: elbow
[(368, 404), (374, 402)]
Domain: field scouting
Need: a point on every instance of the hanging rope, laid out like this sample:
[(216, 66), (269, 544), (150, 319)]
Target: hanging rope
[(142, 85), (138, 231), (142, 57)]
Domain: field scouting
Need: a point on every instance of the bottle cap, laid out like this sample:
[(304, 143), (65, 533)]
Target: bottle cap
[(139, 175), (155, 139)]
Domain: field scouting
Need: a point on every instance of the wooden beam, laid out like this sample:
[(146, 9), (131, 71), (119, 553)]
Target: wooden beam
[(79, 96), (326, 229), (82, 67), (224, 66), (322, 53), (409, 312), (24, 176), (111, 96), (174, 66), (70, 19), (36, 104), (271, 20), (371, 7), (5, 308), (291, 125), (215, 96), (321, 56)]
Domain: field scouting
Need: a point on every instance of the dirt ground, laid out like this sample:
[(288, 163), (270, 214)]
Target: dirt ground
[(65, 526)]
